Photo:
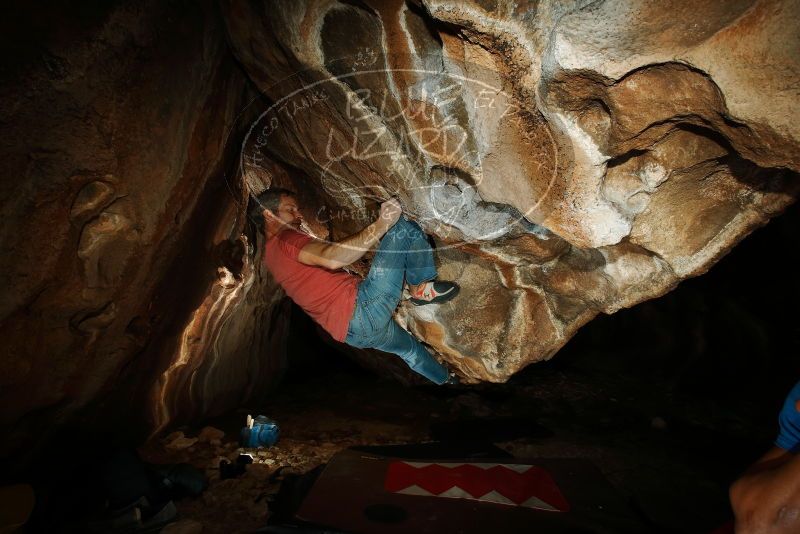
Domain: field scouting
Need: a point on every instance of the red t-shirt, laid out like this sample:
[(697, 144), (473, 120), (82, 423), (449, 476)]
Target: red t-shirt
[(329, 297)]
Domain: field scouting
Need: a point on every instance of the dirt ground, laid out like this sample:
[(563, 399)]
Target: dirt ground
[(670, 456)]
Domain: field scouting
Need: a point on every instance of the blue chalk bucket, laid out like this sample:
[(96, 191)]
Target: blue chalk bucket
[(264, 433)]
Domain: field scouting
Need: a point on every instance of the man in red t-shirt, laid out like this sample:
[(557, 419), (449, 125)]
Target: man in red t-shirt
[(355, 311)]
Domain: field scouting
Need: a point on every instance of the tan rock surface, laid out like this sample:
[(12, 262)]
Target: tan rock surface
[(570, 158)]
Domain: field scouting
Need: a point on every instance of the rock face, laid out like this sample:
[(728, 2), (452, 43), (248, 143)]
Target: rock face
[(570, 158), (124, 273)]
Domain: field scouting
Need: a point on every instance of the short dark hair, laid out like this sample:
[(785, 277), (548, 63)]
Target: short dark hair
[(269, 200)]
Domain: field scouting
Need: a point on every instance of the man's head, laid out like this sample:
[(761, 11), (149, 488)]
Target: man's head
[(276, 204)]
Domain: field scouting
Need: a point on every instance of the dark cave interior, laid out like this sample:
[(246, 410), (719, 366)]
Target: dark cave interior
[(650, 343), (672, 399)]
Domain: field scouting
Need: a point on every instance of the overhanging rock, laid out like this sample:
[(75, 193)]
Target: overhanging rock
[(569, 158)]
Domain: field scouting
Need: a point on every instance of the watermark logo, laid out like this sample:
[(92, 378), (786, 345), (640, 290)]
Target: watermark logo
[(464, 156)]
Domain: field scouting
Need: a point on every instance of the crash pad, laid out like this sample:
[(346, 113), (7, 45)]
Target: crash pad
[(373, 493)]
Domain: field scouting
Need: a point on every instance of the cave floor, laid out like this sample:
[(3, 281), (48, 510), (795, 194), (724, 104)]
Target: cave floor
[(671, 456)]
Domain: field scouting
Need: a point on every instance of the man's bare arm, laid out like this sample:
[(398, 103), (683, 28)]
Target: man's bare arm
[(352, 248), (766, 499)]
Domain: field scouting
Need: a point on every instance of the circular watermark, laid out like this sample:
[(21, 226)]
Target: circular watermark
[(464, 157)]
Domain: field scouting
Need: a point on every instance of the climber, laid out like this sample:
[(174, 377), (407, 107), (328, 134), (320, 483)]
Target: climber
[(354, 311), (766, 499)]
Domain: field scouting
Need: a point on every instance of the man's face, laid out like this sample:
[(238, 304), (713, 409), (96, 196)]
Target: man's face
[(289, 212)]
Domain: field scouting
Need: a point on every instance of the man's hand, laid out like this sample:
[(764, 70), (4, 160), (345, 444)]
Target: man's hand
[(390, 212), (337, 255)]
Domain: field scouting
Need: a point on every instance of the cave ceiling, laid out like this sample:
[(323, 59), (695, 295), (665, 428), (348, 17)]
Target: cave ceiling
[(569, 158)]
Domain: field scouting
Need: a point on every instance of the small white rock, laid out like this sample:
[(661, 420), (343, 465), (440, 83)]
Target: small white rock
[(209, 434), (181, 443), (173, 436)]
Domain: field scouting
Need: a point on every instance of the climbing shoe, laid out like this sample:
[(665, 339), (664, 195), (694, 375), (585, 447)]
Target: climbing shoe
[(434, 292)]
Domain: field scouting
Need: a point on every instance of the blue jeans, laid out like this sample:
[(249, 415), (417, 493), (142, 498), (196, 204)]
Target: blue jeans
[(403, 254)]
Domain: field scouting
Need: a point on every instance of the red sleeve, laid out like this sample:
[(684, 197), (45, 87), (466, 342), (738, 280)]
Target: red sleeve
[(291, 242)]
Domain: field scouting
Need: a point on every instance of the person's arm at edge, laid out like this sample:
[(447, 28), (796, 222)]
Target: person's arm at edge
[(340, 254), (766, 491)]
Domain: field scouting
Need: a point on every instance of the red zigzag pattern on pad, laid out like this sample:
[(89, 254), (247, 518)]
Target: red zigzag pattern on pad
[(523, 485)]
